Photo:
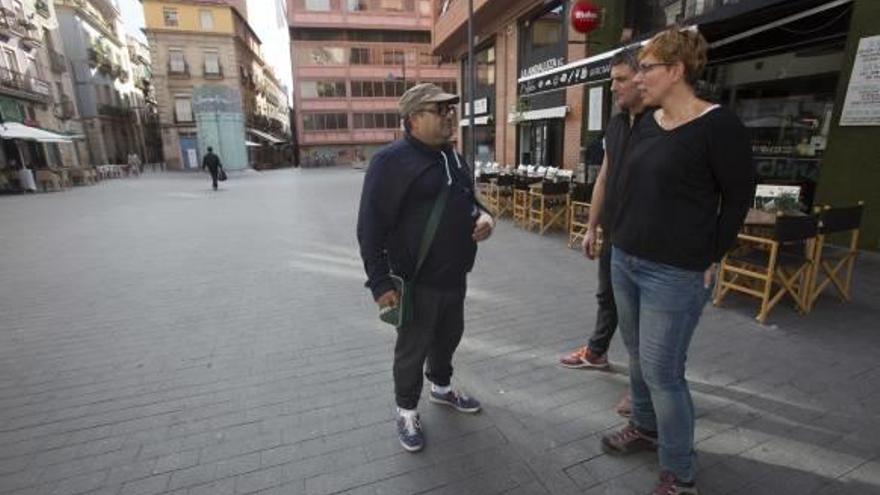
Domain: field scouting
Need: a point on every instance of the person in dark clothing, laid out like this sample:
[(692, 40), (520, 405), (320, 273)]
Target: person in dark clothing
[(624, 66), (212, 163), (401, 184), (681, 192)]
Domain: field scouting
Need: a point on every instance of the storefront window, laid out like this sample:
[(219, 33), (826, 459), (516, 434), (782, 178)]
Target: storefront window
[(786, 101)]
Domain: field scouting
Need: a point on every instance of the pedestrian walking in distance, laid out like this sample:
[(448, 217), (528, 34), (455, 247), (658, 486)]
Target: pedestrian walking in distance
[(212, 163), (413, 183), (683, 191)]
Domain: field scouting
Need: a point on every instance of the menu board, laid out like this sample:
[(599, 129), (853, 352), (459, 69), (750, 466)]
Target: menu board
[(862, 104)]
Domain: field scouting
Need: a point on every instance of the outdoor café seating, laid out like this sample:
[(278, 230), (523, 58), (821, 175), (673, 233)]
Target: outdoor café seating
[(579, 212), (501, 195), (835, 261), (548, 202), (521, 183), (48, 180), (772, 266)]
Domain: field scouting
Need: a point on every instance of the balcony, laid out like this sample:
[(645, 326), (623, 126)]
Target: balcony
[(450, 26), (93, 16), (24, 86), (358, 13), (114, 111), (212, 73), (179, 70), (64, 108), (57, 61)]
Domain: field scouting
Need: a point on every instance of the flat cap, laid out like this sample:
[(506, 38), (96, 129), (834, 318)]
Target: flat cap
[(423, 93)]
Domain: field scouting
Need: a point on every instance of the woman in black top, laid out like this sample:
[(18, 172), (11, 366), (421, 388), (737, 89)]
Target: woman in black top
[(684, 188)]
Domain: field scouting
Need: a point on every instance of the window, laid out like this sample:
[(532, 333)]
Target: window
[(448, 86), (547, 30), (393, 57), (322, 89), (376, 121), (170, 16), (357, 5), (325, 121), (206, 18), (360, 56), (10, 60), (320, 56), (176, 61), (212, 62), (183, 108), (318, 5), (379, 89)]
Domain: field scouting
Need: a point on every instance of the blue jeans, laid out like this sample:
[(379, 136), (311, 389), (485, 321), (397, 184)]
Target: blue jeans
[(658, 308)]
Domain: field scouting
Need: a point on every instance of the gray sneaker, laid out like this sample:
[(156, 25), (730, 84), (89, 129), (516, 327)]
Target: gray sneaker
[(409, 432)]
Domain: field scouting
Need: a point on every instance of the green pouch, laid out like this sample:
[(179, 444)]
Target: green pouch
[(402, 314)]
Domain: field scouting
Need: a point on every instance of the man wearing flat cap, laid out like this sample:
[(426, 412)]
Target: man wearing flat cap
[(412, 184)]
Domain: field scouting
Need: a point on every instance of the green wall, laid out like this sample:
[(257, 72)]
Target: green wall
[(851, 166)]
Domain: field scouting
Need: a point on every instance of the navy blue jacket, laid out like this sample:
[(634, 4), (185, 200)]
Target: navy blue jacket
[(400, 187)]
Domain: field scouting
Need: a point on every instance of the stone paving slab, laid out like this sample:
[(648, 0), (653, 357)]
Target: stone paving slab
[(156, 337)]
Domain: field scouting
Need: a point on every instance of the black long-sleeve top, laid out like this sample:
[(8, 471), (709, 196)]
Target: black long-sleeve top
[(684, 193)]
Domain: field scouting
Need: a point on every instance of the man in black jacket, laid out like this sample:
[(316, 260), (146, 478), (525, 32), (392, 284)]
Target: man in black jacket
[(400, 188), (212, 163)]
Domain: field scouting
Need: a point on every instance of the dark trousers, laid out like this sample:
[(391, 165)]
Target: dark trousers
[(606, 317), (433, 335), (215, 171)]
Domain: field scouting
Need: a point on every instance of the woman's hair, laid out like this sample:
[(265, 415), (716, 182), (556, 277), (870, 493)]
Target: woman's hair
[(675, 45)]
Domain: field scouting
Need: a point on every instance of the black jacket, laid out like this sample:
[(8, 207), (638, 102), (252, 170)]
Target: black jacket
[(211, 161), (400, 187)]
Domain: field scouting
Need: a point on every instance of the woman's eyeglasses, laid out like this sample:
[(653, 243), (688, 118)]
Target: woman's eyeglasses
[(644, 68)]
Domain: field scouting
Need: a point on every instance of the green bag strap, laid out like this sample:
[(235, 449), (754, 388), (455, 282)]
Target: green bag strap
[(431, 228)]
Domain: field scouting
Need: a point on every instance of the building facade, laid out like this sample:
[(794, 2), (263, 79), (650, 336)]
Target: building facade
[(203, 44), (783, 66), (106, 97), (36, 89), (352, 60)]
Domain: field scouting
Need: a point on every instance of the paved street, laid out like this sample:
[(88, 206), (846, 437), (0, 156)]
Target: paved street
[(156, 337)]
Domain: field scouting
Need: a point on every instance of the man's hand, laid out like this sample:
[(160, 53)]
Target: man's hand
[(483, 228), (708, 275), (389, 298), (590, 244)]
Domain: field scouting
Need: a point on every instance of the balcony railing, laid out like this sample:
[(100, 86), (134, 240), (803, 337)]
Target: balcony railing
[(213, 72), (29, 86), (64, 108), (57, 61), (114, 111), (178, 69)]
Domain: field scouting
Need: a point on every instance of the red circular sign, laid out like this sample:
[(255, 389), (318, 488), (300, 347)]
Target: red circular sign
[(585, 17)]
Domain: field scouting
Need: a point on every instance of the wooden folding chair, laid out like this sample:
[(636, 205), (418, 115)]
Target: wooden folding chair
[(548, 205), (785, 261), (835, 262), (521, 200), (578, 212)]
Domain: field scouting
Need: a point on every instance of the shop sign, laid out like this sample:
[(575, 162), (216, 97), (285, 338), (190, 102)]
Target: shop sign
[(542, 67), (585, 72), (585, 17), (481, 106), (862, 103)]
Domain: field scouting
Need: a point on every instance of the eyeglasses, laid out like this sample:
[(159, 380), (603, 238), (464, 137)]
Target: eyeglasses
[(644, 68), (440, 111)]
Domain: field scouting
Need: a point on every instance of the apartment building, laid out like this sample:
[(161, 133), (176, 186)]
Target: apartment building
[(352, 60), (207, 47), (106, 97), (36, 91)]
